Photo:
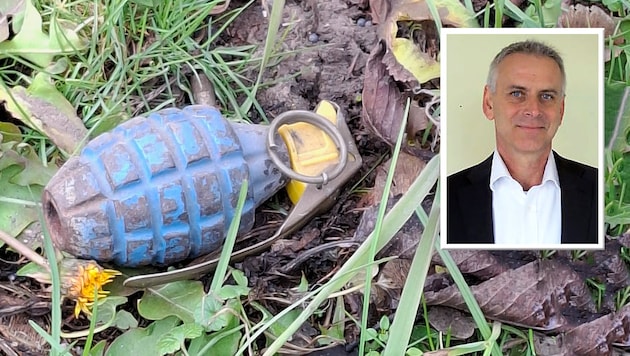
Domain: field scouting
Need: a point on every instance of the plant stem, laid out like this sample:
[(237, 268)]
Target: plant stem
[(23, 249)]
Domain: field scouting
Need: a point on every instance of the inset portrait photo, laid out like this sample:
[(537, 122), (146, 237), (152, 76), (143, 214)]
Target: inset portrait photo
[(522, 139)]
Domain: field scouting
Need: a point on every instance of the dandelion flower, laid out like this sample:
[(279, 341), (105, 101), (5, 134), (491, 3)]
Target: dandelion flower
[(83, 281)]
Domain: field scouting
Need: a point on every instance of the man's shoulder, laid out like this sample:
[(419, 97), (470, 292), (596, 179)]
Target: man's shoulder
[(575, 168), (471, 174)]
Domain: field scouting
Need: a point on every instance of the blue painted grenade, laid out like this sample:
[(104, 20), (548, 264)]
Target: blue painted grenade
[(160, 189)]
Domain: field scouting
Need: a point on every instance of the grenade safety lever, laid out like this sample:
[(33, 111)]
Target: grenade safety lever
[(311, 162)]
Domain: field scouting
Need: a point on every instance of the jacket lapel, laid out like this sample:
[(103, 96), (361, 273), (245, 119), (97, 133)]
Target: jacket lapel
[(479, 222), (575, 209)]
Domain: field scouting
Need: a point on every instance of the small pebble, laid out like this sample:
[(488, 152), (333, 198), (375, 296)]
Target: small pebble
[(361, 22), (368, 23), (313, 37)]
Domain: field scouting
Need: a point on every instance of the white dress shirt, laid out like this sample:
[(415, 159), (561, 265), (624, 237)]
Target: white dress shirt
[(521, 217)]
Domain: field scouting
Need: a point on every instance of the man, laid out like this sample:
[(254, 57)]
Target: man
[(524, 194)]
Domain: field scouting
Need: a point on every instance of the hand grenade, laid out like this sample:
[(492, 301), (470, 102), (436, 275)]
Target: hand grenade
[(160, 189)]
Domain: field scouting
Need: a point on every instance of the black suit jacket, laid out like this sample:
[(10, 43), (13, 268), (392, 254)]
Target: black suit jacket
[(469, 205)]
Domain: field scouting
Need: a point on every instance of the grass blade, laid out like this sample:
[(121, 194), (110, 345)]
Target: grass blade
[(412, 291), (467, 294), (230, 240), (377, 229), (392, 222)]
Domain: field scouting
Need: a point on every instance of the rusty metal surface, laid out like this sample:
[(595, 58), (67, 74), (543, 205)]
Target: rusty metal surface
[(159, 189)]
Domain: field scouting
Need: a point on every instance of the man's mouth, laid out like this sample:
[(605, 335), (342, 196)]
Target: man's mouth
[(528, 127)]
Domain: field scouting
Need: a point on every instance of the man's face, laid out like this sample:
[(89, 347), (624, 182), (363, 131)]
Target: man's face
[(527, 106)]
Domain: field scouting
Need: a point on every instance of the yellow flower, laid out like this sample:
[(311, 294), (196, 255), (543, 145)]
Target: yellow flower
[(83, 281)]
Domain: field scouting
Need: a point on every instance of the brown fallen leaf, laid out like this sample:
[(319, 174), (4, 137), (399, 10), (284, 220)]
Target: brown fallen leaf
[(411, 61), (408, 167), (479, 263), (580, 16), (389, 284), (404, 243), (379, 9), (383, 103), (452, 321), (590, 338), (531, 295)]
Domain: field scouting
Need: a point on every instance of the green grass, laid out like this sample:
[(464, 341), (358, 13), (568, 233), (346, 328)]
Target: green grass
[(140, 59)]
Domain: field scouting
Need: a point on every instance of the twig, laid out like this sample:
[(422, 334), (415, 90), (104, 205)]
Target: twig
[(26, 251)]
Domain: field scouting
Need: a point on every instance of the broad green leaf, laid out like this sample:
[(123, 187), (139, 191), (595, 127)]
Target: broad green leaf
[(9, 132), (239, 277), (223, 343), (617, 214), (181, 299), (173, 340), (125, 320), (107, 310), (551, 11), (206, 313), (617, 117), (280, 325), (99, 348), (230, 292), (33, 44), (22, 177), (335, 332), (35, 271), (142, 341), (43, 108), (283, 323)]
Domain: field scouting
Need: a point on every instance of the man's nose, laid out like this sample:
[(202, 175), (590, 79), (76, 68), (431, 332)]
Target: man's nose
[(532, 107)]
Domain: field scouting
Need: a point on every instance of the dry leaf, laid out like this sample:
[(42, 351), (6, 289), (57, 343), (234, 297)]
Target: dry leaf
[(531, 295), (447, 320), (383, 106), (404, 243), (379, 9), (597, 337), (415, 65), (409, 57), (408, 167), (389, 284), (46, 110), (479, 263), (580, 16), (417, 120)]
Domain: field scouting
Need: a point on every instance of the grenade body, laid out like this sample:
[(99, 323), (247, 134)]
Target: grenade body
[(159, 189)]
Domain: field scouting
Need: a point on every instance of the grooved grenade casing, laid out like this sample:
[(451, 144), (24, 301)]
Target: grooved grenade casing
[(160, 189)]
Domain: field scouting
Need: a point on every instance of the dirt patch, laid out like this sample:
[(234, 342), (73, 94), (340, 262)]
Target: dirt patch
[(326, 51)]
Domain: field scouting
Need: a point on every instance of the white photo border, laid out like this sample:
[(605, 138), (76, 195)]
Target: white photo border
[(445, 32)]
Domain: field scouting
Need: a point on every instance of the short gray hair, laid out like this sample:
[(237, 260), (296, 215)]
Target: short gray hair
[(526, 47)]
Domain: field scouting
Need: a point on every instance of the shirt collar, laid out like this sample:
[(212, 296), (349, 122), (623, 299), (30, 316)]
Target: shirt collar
[(499, 170)]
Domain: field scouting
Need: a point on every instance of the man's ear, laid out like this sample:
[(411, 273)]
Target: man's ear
[(487, 103)]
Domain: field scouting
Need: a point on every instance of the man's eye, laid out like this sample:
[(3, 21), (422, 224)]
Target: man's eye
[(547, 96), (516, 94)]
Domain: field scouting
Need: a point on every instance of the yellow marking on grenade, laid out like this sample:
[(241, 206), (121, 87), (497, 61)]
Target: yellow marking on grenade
[(310, 149)]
